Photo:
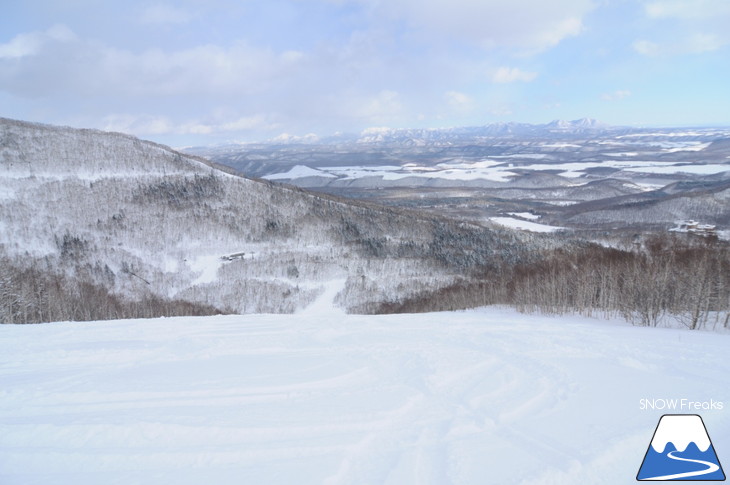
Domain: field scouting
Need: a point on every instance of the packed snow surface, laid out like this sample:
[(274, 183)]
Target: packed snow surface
[(488, 396)]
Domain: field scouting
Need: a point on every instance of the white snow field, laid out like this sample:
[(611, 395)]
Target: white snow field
[(488, 396), (524, 225)]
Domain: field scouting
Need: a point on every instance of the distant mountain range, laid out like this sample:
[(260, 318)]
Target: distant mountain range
[(580, 174), (560, 128), (425, 136)]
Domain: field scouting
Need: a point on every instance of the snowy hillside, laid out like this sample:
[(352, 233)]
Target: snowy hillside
[(132, 226), (480, 397)]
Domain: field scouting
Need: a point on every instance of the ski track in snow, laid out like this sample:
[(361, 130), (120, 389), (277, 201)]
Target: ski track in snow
[(488, 396), (325, 302)]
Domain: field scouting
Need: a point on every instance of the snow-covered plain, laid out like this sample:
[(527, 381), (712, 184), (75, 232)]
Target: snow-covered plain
[(497, 171), (299, 171), (524, 225), (488, 396)]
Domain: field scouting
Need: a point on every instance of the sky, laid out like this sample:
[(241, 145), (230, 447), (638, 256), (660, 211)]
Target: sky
[(205, 72)]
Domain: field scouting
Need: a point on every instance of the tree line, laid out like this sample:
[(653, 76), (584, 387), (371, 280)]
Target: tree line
[(687, 279), (32, 294), (669, 276)]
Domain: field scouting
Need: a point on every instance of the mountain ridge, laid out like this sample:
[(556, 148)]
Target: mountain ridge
[(141, 221), (421, 136)]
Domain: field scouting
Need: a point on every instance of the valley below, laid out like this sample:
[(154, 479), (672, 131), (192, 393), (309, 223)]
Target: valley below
[(579, 175)]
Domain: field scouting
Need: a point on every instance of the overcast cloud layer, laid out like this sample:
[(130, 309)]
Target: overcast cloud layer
[(201, 72)]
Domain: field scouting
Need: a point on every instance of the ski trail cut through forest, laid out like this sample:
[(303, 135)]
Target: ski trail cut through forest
[(325, 304)]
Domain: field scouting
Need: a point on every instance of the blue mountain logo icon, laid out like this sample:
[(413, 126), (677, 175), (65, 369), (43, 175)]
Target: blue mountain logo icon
[(680, 450)]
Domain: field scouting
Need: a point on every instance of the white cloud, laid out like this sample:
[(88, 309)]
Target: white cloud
[(504, 75), (145, 125), (705, 42), (210, 89), (165, 14), (138, 125), (246, 123), (379, 108), (529, 26), (698, 26), (501, 111), (20, 46), (647, 48), (29, 44), (687, 9), (399, 61), (526, 25), (459, 101), (697, 43), (58, 61), (616, 95)]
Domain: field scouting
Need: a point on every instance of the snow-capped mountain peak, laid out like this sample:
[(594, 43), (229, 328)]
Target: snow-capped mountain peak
[(576, 125), (286, 138)]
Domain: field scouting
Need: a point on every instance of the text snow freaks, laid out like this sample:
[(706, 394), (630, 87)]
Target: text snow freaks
[(684, 405)]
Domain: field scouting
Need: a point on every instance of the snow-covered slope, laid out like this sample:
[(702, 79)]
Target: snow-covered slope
[(480, 397), (142, 221)]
